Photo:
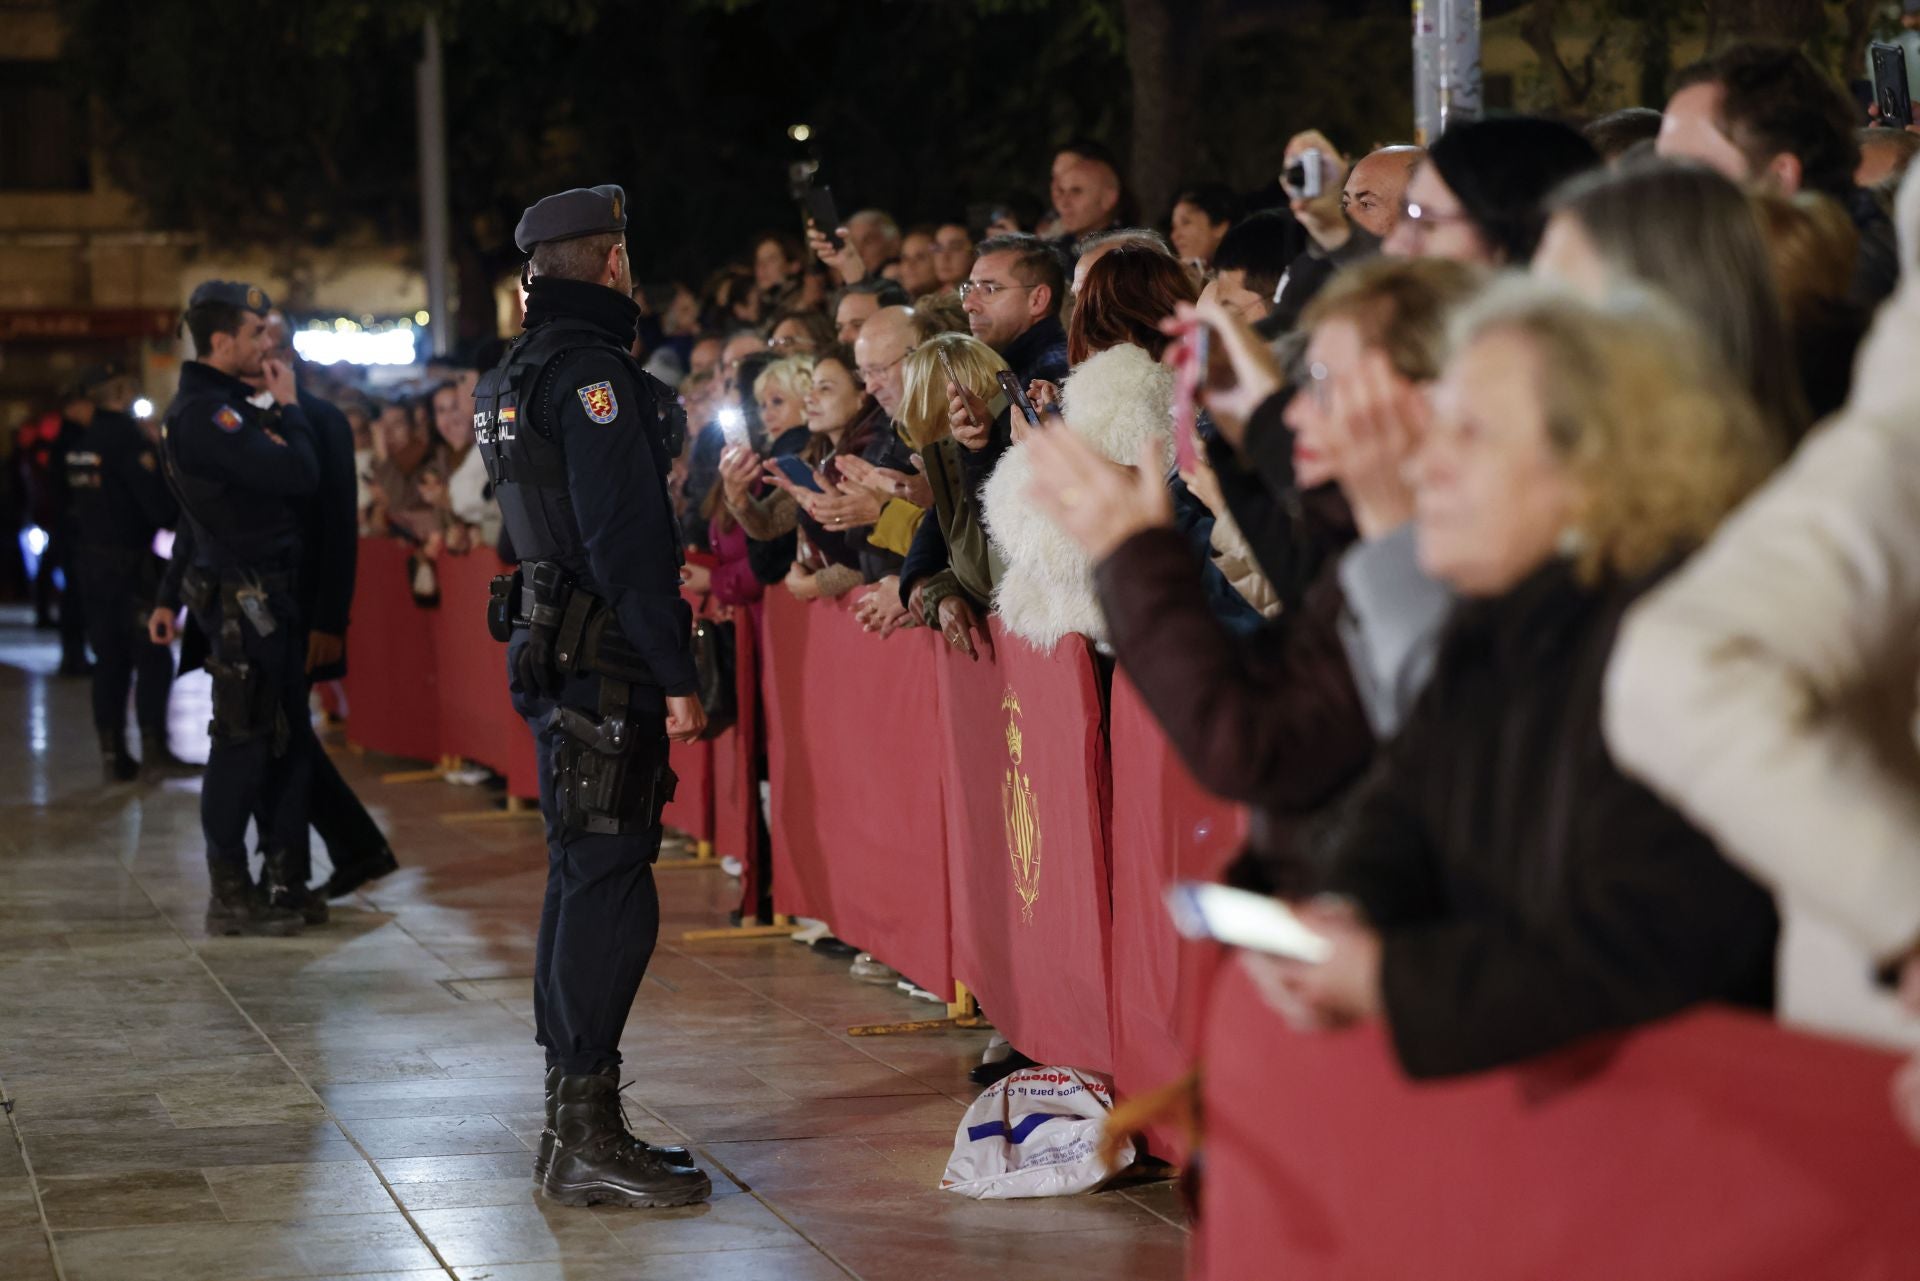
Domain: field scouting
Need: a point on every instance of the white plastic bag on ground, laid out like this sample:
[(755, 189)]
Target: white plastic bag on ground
[(1036, 1133)]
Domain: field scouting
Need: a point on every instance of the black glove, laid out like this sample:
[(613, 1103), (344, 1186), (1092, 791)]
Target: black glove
[(533, 665)]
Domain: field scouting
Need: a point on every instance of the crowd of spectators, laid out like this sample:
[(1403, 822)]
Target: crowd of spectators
[(1542, 576)]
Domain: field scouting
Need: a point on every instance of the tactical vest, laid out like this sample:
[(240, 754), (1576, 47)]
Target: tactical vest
[(234, 527), (514, 427)]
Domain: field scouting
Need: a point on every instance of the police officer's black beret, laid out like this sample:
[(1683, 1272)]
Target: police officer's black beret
[(96, 376), (584, 211), (234, 293)]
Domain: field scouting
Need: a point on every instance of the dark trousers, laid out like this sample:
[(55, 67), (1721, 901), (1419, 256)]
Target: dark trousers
[(116, 607), (63, 556), (264, 767), (333, 811), (601, 915)]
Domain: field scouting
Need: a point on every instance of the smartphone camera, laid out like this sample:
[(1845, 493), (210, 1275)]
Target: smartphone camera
[(1305, 178)]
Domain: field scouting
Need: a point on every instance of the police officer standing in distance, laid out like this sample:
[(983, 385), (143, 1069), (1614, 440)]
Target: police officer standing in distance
[(120, 501), (578, 441), (237, 472)]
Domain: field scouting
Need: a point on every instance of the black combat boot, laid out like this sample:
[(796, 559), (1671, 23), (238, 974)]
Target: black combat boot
[(237, 906), (157, 759), (596, 1162), (544, 1158), (116, 758), (288, 890)]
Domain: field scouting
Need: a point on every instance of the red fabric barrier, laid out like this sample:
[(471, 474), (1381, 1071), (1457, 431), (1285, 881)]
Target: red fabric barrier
[(477, 720), (691, 810), (736, 783), (1026, 777), (1166, 827), (393, 701), (1716, 1146), (857, 834)]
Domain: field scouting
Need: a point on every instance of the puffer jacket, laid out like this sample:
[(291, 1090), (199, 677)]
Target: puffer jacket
[(1116, 401)]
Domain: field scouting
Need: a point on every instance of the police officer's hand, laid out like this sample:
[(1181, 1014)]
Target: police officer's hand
[(533, 666), (686, 719), (324, 649), (163, 626), (279, 380)]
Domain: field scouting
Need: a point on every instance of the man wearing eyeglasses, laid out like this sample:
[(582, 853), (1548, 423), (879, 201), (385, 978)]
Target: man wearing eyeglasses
[(1355, 210), (1012, 299)]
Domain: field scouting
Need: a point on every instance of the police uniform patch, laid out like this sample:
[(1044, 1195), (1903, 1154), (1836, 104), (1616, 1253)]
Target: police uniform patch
[(147, 461), (597, 399), (227, 419)]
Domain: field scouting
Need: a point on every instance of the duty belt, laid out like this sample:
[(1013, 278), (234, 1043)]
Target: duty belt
[(589, 638)]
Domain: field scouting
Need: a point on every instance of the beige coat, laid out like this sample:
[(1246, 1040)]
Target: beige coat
[(1770, 689)]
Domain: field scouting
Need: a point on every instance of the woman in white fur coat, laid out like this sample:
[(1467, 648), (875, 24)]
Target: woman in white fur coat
[(1119, 399)]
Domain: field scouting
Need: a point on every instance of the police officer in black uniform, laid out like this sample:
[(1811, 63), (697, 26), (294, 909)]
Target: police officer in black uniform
[(330, 552), (237, 472), (120, 501), (578, 441)]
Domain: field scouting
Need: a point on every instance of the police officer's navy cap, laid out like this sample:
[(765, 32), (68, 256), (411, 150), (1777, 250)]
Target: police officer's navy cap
[(234, 293), (584, 211)]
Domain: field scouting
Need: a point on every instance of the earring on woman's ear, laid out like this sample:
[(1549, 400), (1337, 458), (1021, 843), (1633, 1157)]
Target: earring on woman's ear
[(1572, 542)]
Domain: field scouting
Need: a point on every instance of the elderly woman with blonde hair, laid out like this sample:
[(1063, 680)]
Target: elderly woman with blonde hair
[(1501, 888), (952, 596)]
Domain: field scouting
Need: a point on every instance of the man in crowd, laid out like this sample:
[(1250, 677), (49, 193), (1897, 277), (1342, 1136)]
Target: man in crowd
[(875, 237), (860, 300), (120, 501), (1354, 212), (1013, 300), (330, 550), (1769, 117), (1087, 193), (1250, 262), (917, 273), (579, 442), (239, 473)]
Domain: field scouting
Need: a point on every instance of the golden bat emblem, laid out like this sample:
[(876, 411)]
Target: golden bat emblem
[(1021, 811)]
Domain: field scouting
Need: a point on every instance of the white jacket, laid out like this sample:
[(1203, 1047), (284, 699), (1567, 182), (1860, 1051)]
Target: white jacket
[(1115, 401), (1770, 689)]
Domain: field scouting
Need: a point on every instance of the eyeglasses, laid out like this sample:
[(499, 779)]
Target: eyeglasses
[(869, 373), (968, 288), (787, 342)]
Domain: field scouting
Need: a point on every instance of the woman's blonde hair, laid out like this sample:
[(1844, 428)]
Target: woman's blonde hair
[(793, 375), (1658, 438), (923, 396)]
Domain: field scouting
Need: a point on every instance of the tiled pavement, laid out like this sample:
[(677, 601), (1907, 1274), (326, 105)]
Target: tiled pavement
[(359, 1102)]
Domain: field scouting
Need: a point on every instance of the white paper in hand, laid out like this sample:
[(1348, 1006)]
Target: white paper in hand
[(1253, 921)]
